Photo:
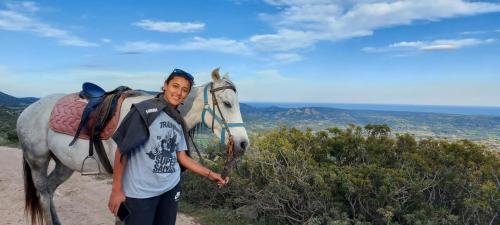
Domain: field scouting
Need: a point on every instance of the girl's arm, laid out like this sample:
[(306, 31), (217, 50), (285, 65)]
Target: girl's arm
[(117, 196), (195, 167)]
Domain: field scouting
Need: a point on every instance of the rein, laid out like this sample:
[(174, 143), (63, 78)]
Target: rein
[(222, 121)]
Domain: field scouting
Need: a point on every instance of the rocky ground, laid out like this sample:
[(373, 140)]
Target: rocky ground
[(81, 200)]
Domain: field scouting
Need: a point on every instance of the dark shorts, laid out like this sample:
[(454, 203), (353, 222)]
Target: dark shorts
[(158, 210)]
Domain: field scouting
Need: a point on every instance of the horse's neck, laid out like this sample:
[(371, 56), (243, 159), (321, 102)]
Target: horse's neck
[(193, 106)]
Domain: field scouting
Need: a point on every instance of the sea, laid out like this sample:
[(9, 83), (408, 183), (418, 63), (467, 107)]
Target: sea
[(462, 110)]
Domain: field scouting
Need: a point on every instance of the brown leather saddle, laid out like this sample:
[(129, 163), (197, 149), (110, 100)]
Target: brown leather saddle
[(67, 115), (91, 114)]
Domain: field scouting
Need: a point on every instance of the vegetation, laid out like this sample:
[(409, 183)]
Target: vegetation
[(356, 176), (8, 118), (211, 216)]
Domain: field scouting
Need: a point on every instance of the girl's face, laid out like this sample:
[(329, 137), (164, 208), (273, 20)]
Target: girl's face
[(176, 90)]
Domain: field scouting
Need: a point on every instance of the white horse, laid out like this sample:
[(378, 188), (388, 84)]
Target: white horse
[(40, 144)]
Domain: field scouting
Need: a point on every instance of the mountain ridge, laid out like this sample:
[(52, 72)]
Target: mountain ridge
[(424, 124), (9, 100)]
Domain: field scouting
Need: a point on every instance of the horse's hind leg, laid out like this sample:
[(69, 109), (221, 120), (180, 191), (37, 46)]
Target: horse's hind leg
[(39, 177), (60, 174)]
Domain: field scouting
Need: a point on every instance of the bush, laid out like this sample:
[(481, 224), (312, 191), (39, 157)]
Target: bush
[(12, 136), (359, 176)]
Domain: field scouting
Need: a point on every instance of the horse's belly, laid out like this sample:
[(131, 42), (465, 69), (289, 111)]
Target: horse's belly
[(73, 156)]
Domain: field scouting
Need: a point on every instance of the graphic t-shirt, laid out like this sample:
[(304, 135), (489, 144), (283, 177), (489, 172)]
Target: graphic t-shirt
[(153, 168)]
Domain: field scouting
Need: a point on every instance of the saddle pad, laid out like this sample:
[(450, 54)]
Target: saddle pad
[(67, 113)]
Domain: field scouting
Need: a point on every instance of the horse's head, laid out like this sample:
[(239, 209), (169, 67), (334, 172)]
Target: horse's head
[(222, 111), (217, 103)]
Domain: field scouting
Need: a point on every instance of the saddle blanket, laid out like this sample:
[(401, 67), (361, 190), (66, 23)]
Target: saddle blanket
[(67, 113)]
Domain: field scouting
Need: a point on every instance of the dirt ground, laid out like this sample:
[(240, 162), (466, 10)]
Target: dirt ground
[(79, 201)]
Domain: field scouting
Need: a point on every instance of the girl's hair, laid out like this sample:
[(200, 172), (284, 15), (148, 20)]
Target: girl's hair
[(180, 73)]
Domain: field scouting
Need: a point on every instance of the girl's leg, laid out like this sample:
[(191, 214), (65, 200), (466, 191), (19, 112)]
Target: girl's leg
[(142, 211), (166, 212)]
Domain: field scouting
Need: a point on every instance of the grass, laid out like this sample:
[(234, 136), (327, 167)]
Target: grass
[(210, 216), (7, 143)]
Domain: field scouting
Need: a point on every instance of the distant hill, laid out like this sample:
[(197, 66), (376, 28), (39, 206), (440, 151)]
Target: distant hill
[(419, 123), (8, 100)]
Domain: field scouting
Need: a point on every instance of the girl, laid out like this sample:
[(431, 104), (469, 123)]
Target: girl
[(152, 142)]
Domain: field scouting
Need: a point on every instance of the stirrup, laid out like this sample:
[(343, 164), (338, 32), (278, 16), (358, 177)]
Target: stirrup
[(91, 172)]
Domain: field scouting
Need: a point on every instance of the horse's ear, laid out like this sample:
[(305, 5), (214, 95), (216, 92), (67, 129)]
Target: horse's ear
[(215, 74), (226, 76)]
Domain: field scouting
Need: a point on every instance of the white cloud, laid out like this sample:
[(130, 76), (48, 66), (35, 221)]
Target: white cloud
[(196, 43), (166, 26), (301, 23), (12, 20), (436, 45), (287, 57), (284, 40), (406, 44), (475, 32), (138, 47), (269, 85), (106, 40), (217, 44), (370, 49), (41, 83), (22, 6)]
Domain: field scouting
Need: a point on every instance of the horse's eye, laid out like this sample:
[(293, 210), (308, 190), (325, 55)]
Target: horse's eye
[(227, 104)]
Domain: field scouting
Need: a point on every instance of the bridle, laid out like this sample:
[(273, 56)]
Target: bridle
[(215, 104), (230, 156)]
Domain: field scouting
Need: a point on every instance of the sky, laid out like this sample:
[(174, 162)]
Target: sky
[(423, 52)]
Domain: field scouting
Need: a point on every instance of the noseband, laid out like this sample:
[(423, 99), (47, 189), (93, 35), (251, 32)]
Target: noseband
[(215, 104)]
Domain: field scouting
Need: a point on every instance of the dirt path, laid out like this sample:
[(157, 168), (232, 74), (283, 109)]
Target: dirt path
[(79, 201)]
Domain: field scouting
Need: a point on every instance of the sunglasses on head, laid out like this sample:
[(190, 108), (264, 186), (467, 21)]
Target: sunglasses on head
[(184, 74)]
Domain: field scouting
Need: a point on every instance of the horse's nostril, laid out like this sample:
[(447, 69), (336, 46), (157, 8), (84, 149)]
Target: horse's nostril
[(244, 144)]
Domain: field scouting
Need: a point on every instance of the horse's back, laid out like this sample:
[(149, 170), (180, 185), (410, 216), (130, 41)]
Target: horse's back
[(127, 103), (32, 124)]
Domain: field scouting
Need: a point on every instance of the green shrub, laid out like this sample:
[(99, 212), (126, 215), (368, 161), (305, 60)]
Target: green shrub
[(358, 176), (12, 136)]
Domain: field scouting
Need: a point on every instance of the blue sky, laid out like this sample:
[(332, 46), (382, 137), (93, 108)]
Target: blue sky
[(432, 52)]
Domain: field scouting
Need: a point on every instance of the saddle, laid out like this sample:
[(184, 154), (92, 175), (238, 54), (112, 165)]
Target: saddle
[(91, 114)]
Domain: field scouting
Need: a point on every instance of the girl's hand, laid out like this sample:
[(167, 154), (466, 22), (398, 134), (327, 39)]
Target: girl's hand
[(115, 199), (213, 176)]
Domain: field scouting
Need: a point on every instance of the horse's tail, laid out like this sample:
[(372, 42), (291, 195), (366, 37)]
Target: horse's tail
[(32, 205)]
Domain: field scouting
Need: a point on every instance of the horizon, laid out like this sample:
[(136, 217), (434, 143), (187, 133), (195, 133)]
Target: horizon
[(380, 104), (381, 52), (332, 103), (280, 104)]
